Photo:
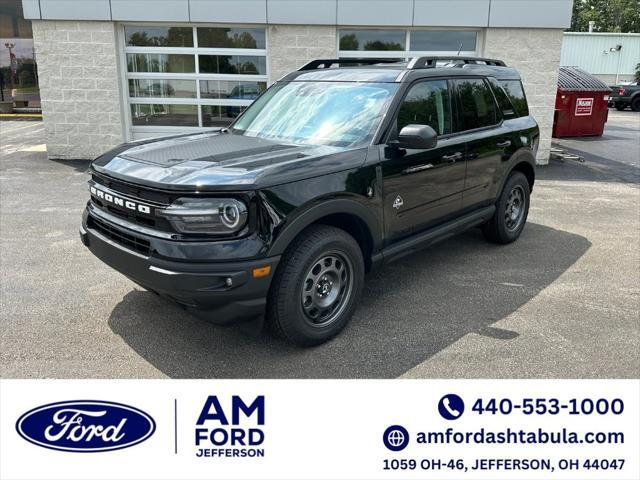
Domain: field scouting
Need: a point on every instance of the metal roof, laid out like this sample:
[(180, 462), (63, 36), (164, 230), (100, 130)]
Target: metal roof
[(574, 79)]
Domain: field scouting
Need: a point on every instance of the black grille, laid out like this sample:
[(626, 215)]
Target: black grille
[(126, 240), (134, 191), (136, 194)]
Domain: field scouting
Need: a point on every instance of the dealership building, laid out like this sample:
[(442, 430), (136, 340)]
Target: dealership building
[(112, 71)]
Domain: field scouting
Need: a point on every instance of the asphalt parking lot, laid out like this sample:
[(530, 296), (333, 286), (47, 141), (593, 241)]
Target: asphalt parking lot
[(563, 301)]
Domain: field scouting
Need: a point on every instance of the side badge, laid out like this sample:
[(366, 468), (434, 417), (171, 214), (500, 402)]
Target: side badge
[(398, 202)]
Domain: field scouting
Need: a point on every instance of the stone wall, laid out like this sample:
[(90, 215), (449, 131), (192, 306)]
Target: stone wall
[(79, 87), (535, 52), (290, 47)]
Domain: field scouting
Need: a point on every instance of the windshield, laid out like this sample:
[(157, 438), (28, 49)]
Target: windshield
[(343, 114)]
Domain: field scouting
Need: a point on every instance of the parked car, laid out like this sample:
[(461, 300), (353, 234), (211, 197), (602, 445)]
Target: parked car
[(624, 96), (329, 174)]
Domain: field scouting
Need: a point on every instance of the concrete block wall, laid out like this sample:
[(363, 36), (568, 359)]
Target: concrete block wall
[(535, 52), (291, 46), (79, 87)]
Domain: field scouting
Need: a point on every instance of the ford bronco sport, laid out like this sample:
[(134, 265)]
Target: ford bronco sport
[(328, 174)]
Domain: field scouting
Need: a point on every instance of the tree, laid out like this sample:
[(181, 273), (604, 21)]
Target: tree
[(608, 15), (378, 45), (349, 42), (637, 77)]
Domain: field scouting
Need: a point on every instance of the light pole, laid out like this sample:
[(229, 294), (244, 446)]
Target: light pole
[(12, 67), (617, 48)]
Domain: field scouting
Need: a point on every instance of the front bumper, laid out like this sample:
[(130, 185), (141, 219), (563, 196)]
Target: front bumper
[(223, 292)]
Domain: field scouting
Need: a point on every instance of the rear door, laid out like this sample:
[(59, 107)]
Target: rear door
[(423, 187), (487, 140)]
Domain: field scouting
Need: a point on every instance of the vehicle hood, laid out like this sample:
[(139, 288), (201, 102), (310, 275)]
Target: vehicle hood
[(222, 161)]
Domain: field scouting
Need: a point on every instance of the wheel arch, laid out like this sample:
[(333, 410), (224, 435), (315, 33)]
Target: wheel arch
[(527, 169), (522, 161), (355, 218)]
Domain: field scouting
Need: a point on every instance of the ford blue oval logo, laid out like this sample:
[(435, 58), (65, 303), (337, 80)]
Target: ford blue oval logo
[(85, 426)]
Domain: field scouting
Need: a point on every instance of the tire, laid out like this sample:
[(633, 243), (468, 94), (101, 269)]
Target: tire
[(515, 196), (620, 106), (321, 273), (635, 104)]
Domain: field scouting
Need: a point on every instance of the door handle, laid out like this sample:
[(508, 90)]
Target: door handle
[(417, 168), (452, 158), (505, 144)]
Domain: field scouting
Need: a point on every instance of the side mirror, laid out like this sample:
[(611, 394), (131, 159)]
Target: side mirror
[(418, 137)]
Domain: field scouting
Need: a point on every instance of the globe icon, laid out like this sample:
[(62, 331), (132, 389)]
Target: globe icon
[(396, 438)]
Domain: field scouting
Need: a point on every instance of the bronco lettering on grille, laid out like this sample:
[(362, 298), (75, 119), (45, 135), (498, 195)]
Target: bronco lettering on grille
[(121, 202)]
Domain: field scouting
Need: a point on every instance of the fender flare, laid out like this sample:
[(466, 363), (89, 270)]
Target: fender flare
[(323, 208), (524, 155)]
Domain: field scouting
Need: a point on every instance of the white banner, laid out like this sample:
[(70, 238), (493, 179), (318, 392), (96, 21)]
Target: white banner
[(319, 429)]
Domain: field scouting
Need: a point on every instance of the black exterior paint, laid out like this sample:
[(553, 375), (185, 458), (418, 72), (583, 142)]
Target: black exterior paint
[(289, 187)]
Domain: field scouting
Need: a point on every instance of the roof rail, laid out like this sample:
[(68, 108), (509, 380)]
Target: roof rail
[(328, 62), (414, 64), (431, 62)]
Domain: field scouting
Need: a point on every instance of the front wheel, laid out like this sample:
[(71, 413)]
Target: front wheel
[(635, 104), (317, 286), (512, 209)]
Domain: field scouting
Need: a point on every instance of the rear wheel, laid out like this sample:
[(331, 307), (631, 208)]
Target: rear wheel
[(635, 104), (512, 209), (620, 106), (317, 286)]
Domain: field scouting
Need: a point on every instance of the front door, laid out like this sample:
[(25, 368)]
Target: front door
[(423, 187)]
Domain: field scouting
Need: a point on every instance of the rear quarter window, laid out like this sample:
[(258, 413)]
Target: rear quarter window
[(515, 93)]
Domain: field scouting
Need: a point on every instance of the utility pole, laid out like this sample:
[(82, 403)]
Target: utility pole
[(12, 61), (617, 48)]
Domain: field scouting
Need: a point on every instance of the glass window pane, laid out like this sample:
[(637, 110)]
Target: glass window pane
[(231, 89), (162, 88), (515, 92), (427, 103), (160, 62), (233, 64), (12, 22), (478, 109), (164, 115), (372, 40), (219, 115), (504, 103), (142, 36), (318, 113), (442, 41), (231, 38)]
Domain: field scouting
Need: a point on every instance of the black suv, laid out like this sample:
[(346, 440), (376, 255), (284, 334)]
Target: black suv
[(328, 174)]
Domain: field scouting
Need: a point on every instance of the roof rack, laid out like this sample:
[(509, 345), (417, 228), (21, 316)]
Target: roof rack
[(328, 62), (431, 62), (414, 64)]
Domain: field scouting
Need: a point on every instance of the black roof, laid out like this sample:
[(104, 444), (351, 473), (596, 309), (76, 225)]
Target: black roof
[(574, 79)]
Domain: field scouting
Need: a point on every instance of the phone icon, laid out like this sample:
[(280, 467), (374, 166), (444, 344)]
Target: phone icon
[(451, 407), (452, 411)]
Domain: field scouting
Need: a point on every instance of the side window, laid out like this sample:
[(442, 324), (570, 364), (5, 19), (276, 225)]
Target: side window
[(427, 103), (477, 106), (515, 92), (504, 103)]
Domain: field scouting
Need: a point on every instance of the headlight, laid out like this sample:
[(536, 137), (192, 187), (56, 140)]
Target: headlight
[(217, 216)]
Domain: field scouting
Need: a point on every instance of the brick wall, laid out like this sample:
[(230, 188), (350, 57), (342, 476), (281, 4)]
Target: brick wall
[(79, 87), (290, 47), (535, 52)]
